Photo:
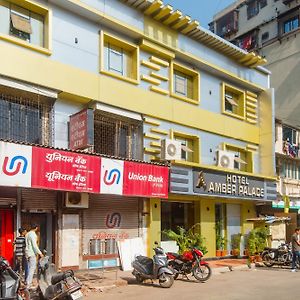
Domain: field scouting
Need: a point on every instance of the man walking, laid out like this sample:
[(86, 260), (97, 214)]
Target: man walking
[(21, 261), (295, 249), (32, 250)]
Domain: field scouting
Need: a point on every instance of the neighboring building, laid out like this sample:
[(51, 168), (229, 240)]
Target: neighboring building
[(151, 86), (270, 28)]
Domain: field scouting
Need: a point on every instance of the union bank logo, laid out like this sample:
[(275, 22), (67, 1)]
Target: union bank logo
[(18, 165), (112, 177)]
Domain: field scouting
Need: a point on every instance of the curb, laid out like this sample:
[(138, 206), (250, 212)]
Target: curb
[(226, 269)]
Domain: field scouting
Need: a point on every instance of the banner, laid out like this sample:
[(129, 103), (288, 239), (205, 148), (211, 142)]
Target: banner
[(46, 168), (145, 180), (67, 171)]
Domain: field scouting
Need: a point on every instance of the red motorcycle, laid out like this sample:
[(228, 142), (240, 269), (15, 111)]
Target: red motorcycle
[(189, 262)]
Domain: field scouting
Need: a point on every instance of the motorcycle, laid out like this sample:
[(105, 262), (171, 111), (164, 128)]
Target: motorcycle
[(280, 256), (10, 282), (53, 285), (189, 262), (156, 268)]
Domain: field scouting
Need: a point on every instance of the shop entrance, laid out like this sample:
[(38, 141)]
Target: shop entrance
[(174, 214), (7, 234), (45, 234)]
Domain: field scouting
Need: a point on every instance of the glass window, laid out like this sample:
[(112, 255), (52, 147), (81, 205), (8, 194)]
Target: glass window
[(291, 24), (115, 59), (289, 134), (119, 58), (185, 83), (252, 9), (188, 148), (21, 23), (176, 214), (233, 101), (263, 3)]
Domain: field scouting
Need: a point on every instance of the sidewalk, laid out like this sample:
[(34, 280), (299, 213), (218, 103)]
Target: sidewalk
[(99, 280)]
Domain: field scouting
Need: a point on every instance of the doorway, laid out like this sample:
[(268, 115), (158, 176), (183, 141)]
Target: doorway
[(176, 214), (45, 224), (7, 234)]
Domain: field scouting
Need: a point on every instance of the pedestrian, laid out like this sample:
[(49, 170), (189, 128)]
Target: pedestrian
[(21, 261), (32, 251), (296, 249)]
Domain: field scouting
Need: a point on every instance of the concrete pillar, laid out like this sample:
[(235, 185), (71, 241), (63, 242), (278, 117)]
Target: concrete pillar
[(207, 221)]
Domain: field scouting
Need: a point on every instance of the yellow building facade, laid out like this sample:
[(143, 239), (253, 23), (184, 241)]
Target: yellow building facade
[(204, 106)]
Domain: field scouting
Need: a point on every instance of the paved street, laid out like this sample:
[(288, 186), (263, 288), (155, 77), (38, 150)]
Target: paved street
[(247, 284)]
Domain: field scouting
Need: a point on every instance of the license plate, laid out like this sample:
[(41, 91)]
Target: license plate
[(76, 295)]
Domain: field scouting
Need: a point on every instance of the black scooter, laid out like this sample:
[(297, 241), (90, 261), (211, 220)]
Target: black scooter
[(156, 268), (10, 282), (53, 285)]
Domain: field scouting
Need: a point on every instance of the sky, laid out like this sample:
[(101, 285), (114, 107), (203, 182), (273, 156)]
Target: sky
[(201, 10)]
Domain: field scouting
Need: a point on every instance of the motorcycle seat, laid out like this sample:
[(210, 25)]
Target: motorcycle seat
[(174, 254), (269, 248), (57, 278)]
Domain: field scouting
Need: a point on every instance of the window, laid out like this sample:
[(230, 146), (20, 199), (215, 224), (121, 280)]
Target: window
[(263, 3), (243, 159), (117, 136), (176, 214), (289, 134), (265, 36), (185, 83), (252, 9), (233, 101), (119, 59), (291, 24), (25, 120), (25, 24), (189, 146)]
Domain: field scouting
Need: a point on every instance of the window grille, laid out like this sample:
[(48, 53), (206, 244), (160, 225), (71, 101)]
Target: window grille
[(25, 120), (117, 136)]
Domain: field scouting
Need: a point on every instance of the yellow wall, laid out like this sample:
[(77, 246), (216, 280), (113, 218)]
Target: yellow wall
[(207, 221), (35, 68), (247, 212), (154, 224)]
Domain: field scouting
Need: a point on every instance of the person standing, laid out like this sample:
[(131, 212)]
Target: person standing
[(31, 251), (20, 246), (296, 249)]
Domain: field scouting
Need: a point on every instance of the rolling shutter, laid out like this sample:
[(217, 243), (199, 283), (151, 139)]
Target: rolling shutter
[(109, 218), (36, 200)]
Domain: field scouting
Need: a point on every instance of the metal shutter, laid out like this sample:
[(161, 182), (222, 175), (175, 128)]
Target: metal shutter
[(101, 207), (36, 200)]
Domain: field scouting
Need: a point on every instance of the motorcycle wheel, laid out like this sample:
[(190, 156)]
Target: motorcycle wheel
[(139, 278), (267, 260), (202, 272), (166, 280)]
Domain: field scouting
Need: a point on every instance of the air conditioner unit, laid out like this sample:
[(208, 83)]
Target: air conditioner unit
[(226, 159), (77, 200), (170, 150)]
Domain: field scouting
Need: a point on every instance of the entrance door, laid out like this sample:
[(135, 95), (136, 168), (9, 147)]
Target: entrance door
[(233, 212), (7, 234), (45, 234)]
